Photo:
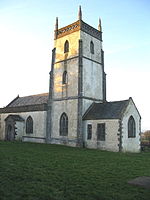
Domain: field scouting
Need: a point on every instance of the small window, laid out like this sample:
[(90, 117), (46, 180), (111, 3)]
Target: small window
[(92, 47), (29, 125), (131, 128), (89, 131), (101, 132), (64, 125), (65, 78), (66, 47)]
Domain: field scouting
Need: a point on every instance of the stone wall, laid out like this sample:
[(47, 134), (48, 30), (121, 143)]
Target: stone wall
[(20, 130), (71, 88), (86, 47), (92, 80), (39, 124), (92, 67), (73, 46), (111, 142), (70, 108), (66, 97), (86, 105), (2, 126), (131, 144)]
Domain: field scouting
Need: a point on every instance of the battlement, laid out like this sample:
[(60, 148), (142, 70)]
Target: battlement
[(76, 26)]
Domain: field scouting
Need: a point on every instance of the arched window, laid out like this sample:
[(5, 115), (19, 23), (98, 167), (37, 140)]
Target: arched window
[(131, 128), (64, 77), (66, 47), (29, 125), (92, 47), (63, 125)]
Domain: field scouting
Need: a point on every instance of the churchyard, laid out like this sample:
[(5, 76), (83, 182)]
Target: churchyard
[(53, 172)]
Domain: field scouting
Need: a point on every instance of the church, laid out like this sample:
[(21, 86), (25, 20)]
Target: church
[(75, 112)]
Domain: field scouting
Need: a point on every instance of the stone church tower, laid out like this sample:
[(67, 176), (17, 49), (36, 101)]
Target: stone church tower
[(77, 79), (75, 111)]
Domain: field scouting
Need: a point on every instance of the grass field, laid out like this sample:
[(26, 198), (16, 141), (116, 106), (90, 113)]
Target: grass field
[(49, 172)]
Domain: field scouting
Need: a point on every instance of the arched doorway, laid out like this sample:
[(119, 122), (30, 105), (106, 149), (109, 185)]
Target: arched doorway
[(11, 127), (10, 133)]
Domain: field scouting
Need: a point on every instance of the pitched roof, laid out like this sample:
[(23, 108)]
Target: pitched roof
[(29, 100), (15, 117), (107, 110)]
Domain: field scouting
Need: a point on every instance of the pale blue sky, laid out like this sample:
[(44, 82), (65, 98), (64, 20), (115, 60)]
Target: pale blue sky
[(26, 40)]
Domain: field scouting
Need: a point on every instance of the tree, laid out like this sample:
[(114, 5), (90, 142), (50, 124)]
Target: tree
[(147, 136)]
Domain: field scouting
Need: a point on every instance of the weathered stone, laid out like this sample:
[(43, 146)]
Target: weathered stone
[(77, 54), (143, 181)]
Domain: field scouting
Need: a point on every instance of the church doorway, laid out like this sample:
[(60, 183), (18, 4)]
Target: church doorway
[(10, 136), (11, 127)]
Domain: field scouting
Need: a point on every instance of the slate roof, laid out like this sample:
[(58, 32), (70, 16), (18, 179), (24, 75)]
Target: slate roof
[(107, 110), (15, 118), (29, 100)]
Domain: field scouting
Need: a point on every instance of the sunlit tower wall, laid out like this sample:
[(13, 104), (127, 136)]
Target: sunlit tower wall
[(77, 79)]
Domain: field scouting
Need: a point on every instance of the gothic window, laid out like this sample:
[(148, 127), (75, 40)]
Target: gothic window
[(101, 132), (65, 78), (29, 125), (64, 125), (66, 47), (131, 128), (89, 131), (92, 47)]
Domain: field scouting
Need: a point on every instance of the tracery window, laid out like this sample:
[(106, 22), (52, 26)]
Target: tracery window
[(64, 125), (92, 47), (66, 47), (65, 78), (131, 127), (29, 125)]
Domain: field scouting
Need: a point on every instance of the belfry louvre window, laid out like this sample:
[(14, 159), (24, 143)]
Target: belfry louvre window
[(101, 132), (65, 78), (131, 128), (29, 125), (64, 125), (66, 47), (89, 131), (92, 47)]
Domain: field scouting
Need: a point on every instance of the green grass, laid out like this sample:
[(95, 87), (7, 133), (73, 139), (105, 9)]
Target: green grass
[(51, 172)]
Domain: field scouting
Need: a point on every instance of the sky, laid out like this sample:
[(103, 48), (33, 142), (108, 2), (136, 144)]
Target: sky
[(26, 41)]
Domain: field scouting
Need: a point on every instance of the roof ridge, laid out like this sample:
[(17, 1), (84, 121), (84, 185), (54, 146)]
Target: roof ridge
[(116, 101), (40, 95), (13, 100), (111, 101), (89, 108)]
